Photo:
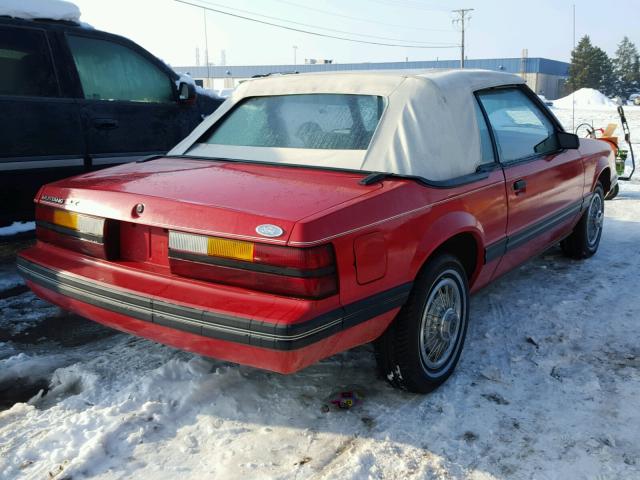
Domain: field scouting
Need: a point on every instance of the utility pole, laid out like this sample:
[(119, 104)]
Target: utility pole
[(206, 46), (295, 51), (461, 17), (573, 97)]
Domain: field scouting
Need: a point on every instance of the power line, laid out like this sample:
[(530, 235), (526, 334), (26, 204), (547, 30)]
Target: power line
[(462, 12), (406, 4), (358, 19), (256, 14), (308, 32)]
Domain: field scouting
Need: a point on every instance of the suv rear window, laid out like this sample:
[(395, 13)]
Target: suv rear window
[(25, 63), (314, 121)]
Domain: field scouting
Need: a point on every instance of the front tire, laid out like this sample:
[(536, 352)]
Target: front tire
[(613, 193), (585, 238), (422, 346)]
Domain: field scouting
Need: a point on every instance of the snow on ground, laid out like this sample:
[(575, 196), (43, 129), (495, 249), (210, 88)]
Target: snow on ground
[(16, 228), (50, 9), (547, 387), (9, 279), (30, 311), (584, 98)]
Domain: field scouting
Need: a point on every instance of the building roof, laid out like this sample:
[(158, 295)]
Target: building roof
[(508, 65), (428, 129)]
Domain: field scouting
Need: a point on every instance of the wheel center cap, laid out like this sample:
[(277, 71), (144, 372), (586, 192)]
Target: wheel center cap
[(599, 219), (449, 321)]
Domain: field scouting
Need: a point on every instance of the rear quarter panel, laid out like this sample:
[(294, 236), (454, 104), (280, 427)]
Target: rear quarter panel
[(414, 220)]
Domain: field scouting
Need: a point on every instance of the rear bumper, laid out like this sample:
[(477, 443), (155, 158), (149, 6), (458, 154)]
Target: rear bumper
[(278, 342)]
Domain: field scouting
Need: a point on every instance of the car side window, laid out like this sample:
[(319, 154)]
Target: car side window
[(26, 68), (486, 148), (110, 71), (517, 122)]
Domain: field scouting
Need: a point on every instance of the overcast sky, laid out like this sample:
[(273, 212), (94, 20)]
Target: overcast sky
[(497, 28)]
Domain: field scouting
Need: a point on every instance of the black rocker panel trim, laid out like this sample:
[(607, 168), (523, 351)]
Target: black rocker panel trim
[(543, 226), (499, 248)]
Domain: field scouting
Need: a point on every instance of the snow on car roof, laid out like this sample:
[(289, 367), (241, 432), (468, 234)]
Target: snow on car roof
[(40, 9), (428, 129)]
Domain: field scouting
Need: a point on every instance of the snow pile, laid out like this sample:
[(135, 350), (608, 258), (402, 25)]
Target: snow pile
[(49, 9), (584, 98), (27, 367), (16, 228)]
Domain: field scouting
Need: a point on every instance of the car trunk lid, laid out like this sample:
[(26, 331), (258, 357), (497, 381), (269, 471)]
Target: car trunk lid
[(219, 198)]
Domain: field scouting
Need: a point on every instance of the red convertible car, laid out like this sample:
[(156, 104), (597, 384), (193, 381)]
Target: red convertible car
[(313, 213)]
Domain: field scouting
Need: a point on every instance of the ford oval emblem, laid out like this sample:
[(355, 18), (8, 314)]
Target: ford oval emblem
[(268, 230)]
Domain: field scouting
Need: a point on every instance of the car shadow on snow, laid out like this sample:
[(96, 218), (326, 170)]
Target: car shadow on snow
[(626, 195), (36, 339), (34, 353), (549, 372)]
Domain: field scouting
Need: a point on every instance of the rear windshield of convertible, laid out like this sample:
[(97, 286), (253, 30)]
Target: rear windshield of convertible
[(314, 121)]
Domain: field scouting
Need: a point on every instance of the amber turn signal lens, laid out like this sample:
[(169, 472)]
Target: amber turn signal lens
[(64, 218), (236, 249)]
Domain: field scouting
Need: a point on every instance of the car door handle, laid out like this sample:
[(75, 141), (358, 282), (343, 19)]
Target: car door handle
[(105, 123), (519, 186)]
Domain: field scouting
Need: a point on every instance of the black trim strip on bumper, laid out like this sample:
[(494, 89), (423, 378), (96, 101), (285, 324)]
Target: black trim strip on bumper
[(499, 248), (214, 325)]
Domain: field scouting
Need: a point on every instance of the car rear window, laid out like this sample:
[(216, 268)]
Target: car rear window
[(313, 121)]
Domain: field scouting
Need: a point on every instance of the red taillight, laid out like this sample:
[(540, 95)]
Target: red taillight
[(76, 244), (304, 258), (318, 287), (298, 272)]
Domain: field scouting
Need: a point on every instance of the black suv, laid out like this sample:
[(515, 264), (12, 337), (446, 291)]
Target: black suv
[(75, 99)]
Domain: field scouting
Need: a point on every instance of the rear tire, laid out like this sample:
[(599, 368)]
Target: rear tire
[(422, 346), (585, 238)]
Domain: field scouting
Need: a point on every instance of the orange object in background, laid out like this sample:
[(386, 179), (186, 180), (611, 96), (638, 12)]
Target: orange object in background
[(607, 136)]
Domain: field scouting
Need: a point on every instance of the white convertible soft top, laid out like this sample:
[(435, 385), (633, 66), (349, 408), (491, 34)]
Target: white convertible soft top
[(428, 129)]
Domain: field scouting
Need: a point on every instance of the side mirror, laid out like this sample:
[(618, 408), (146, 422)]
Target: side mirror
[(558, 141), (568, 141), (186, 92)]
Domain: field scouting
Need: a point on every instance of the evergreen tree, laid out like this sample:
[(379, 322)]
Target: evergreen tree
[(607, 77), (590, 68), (626, 65)]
